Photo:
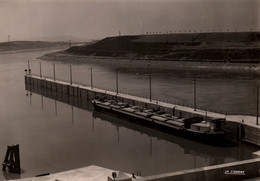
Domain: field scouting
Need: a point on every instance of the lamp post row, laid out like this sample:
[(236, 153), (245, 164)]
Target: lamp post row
[(150, 86), (91, 78)]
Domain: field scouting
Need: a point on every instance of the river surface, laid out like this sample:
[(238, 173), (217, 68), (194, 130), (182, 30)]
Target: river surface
[(55, 136)]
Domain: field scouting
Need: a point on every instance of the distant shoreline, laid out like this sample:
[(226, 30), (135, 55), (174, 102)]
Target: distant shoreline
[(25, 46), (30, 50)]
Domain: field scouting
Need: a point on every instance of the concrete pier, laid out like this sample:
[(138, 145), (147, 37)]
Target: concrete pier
[(243, 128), (90, 173), (240, 170)]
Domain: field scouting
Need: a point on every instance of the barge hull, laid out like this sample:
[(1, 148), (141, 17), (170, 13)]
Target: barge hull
[(211, 139)]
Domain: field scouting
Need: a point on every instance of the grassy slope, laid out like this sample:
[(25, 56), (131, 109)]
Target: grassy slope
[(228, 47), (26, 45)]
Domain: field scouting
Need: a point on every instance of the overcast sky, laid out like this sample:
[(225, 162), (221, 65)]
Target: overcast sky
[(91, 19)]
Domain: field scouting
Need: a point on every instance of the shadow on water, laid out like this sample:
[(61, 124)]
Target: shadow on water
[(12, 176)]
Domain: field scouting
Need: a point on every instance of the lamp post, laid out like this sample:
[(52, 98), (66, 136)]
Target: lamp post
[(195, 95), (150, 87), (150, 82), (70, 75), (116, 82), (257, 104), (91, 78), (40, 69), (54, 78), (29, 69)]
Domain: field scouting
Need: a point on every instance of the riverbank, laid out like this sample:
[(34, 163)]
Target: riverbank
[(153, 65), (231, 52)]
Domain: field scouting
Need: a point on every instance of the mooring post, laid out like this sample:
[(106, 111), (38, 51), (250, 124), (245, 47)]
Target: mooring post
[(54, 78), (70, 75), (40, 69), (173, 111), (150, 87), (257, 104), (195, 95), (17, 159), (91, 78), (12, 159)]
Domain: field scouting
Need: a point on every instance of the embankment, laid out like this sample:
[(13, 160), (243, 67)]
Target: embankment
[(225, 47)]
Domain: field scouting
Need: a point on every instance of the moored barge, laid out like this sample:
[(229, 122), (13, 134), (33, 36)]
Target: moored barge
[(211, 132)]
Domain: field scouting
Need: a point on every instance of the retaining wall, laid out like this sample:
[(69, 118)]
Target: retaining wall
[(87, 92), (225, 172)]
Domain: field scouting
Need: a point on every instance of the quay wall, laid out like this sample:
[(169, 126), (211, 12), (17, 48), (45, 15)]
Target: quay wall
[(240, 170), (83, 94), (250, 134)]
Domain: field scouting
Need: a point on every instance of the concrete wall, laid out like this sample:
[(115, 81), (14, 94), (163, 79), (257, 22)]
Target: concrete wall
[(225, 172), (76, 91), (250, 134), (242, 132)]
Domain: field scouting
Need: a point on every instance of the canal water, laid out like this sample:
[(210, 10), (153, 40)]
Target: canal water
[(56, 136)]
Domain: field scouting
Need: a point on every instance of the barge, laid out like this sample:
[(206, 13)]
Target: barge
[(195, 128)]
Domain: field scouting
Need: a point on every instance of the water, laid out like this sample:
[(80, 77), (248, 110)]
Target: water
[(225, 92), (55, 136)]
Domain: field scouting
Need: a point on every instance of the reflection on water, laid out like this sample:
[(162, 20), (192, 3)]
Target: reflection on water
[(122, 130), (57, 133), (232, 93)]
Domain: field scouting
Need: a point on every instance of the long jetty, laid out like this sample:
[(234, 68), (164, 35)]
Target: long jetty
[(242, 128)]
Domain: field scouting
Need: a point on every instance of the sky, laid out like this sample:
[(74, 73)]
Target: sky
[(96, 19)]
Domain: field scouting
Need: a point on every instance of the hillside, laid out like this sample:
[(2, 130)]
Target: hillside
[(227, 47), (26, 45)]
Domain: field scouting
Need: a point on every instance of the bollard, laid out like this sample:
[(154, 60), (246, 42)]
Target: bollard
[(173, 111), (12, 159)]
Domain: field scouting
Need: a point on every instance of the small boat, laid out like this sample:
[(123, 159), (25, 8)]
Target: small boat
[(195, 128)]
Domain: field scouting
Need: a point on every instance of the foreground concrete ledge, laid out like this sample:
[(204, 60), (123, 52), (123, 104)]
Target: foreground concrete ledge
[(229, 171), (90, 173)]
